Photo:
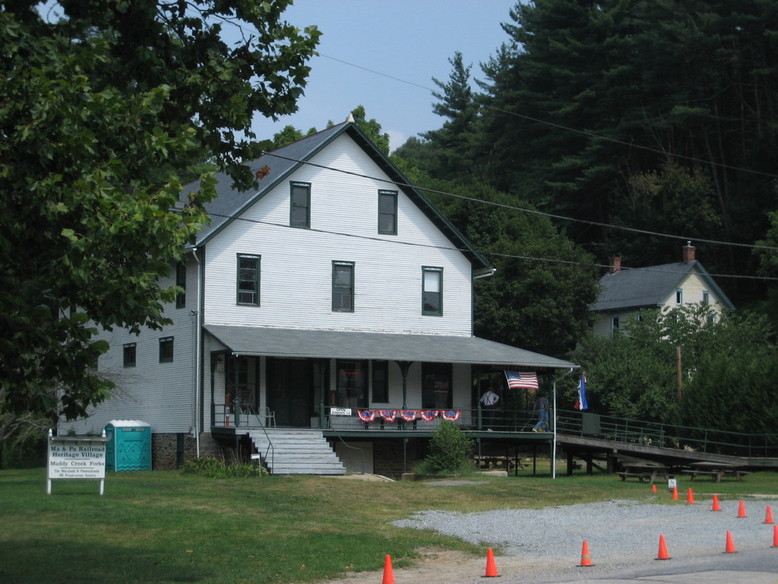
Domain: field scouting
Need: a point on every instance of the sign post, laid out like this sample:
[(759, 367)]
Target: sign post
[(76, 457)]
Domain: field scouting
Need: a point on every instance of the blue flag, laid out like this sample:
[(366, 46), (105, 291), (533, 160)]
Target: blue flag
[(581, 403)]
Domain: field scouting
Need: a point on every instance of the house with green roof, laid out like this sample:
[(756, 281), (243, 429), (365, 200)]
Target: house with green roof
[(325, 324), (625, 292)]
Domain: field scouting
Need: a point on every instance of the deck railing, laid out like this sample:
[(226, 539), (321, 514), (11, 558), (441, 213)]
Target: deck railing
[(664, 435)]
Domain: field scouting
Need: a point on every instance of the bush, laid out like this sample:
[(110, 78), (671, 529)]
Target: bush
[(213, 468), (449, 451)]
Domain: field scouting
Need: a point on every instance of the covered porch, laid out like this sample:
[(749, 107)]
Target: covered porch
[(358, 387)]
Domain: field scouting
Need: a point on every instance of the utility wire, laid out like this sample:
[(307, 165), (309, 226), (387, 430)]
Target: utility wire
[(464, 251), (558, 126), (523, 209)]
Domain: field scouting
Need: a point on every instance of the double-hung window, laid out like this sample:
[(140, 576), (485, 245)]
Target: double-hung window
[(432, 291), (387, 212), (166, 350), (342, 286), (130, 354), (300, 205), (248, 279)]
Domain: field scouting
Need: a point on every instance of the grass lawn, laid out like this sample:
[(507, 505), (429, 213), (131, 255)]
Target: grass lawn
[(167, 527)]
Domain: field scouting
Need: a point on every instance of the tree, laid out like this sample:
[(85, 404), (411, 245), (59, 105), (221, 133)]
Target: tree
[(587, 97), (371, 128), (725, 363), (107, 108), (539, 295)]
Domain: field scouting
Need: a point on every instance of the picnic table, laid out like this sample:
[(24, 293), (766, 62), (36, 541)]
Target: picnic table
[(643, 470), (717, 470)]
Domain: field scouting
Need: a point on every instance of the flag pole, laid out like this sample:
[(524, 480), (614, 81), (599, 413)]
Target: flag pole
[(553, 444)]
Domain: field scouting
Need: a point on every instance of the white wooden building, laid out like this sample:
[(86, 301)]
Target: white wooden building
[(335, 285)]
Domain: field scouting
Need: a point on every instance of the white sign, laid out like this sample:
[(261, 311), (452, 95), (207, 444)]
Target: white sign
[(340, 411), (76, 457), (671, 484)]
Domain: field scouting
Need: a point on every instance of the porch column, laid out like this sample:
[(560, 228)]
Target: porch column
[(404, 367)]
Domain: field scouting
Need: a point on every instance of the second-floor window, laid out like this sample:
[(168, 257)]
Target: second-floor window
[(343, 286), (387, 212), (300, 205), (166, 350), (432, 291), (248, 279), (679, 296), (130, 354)]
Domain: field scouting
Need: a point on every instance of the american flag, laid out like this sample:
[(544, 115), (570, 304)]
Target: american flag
[(521, 379)]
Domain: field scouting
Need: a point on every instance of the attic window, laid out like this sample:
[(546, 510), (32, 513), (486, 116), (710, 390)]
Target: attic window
[(387, 212), (679, 296), (300, 205)]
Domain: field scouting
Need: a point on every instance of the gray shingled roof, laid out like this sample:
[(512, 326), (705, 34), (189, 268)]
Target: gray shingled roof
[(631, 289), (230, 203), (327, 344)]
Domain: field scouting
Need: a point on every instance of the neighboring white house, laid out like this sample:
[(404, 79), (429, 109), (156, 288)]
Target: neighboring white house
[(625, 292), (335, 285)]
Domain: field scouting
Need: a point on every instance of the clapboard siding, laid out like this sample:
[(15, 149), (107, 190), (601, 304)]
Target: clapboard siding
[(296, 264), (161, 394)]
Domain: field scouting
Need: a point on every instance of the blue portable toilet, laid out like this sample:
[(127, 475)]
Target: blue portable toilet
[(128, 446)]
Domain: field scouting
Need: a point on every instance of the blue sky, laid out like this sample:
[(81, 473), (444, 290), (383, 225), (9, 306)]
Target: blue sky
[(408, 40)]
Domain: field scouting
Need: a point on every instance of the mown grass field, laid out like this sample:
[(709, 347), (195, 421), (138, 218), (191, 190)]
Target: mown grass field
[(165, 527)]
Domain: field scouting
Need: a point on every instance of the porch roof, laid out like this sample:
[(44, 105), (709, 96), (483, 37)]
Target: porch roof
[(326, 344)]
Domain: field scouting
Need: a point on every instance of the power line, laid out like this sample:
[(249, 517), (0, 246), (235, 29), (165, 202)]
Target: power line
[(523, 209), (461, 250), (563, 127)]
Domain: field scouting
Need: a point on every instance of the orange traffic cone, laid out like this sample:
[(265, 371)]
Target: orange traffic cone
[(388, 572), (675, 493), (715, 506), (689, 496), (653, 488), (768, 514), (730, 547), (585, 559), (662, 555), (775, 536), (741, 510), (491, 567)]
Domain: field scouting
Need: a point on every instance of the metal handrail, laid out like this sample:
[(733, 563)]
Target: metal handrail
[(708, 440), (235, 409)]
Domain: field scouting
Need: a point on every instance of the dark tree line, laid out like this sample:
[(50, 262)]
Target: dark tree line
[(658, 115)]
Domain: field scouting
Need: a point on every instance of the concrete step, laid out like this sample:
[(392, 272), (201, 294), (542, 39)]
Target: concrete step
[(296, 452)]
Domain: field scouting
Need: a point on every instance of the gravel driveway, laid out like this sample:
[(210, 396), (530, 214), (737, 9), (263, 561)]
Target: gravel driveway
[(620, 533)]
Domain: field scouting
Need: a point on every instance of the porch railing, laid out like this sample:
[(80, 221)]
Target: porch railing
[(346, 419), (708, 440)]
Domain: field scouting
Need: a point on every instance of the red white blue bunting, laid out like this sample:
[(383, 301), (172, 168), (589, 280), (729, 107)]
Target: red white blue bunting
[(408, 415)]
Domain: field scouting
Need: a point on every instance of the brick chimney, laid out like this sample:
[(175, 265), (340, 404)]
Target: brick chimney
[(688, 253), (615, 264)]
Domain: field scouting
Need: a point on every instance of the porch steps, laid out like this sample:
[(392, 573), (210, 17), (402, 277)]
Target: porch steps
[(300, 451)]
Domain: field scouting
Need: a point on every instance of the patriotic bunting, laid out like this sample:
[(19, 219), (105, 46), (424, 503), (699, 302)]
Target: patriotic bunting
[(366, 415)]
